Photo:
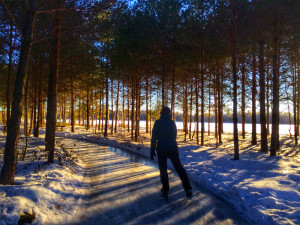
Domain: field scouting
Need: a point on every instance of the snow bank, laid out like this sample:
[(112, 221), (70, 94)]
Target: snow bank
[(264, 188), (50, 193)]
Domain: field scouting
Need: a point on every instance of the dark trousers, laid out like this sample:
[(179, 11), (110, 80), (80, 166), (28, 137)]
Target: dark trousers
[(162, 162)]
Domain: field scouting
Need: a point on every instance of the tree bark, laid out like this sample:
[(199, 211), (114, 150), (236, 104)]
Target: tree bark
[(268, 99), (147, 108), (132, 108), (128, 110), (185, 111), (254, 139), (243, 106), (138, 106), (234, 71), (202, 94), (52, 88), (117, 108), (112, 107), (173, 88), (88, 107), (35, 101), (191, 112), (123, 105), (100, 109), (26, 109), (297, 124), (262, 98), (216, 103), (275, 111), (220, 106), (79, 111), (106, 100), (92, 103), (72, 105), (39, 119), (197, 104), (295, 101), (9, 73), (209, 107), (10, 152)]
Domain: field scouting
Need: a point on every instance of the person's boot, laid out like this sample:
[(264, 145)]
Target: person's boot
[(189, 193)]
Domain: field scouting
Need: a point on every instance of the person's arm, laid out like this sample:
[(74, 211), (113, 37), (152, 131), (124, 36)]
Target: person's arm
[(153, 141), (175, 130)]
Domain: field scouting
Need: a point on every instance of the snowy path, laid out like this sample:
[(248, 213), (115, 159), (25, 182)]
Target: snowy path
[(126, 190)]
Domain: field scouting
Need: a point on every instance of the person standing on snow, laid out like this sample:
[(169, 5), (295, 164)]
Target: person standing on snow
[(163, 139)]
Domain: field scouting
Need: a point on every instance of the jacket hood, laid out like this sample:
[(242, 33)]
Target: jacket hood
[(166, 117)]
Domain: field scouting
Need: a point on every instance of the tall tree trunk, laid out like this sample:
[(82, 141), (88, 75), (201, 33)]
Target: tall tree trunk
[(185, 112), (262, 98), (222, 99), (26, 109), (128, 109), (52, 88), (268, 99), (191, 112), (35, 122), (197, 104), (216, 103), (150, 115), (106, 100), (39, 119), (96, 111), (137, 114), (295, 101), (147, 108), (243, 106), (123, 105), (112, 107), (3, 117), (92, 107), (88, 107), (220, 105), (79, 110), (209, 107), (132, 108), (275, 110), (117, 108), (92, 103), (298, 111), (9, 73), (202, 94), (64, 109), (100, 109), (102, 117), (10, 152), (173, 88), (72, 105), (31, 115), (234, 71), (254, 139), (163, 83)]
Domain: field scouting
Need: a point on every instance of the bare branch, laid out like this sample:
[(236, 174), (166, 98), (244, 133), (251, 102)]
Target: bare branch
[(12, 18)]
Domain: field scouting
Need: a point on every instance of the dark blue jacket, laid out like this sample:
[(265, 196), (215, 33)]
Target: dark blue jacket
[(164, 135)]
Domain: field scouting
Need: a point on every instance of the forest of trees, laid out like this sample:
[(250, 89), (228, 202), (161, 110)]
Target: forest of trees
[(87, 61)]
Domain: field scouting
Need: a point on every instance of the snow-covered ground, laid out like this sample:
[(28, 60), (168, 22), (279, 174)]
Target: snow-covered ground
[(49, 193), (264, 188)]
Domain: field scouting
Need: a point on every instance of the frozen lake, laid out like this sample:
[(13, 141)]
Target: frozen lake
[(284, 129)]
